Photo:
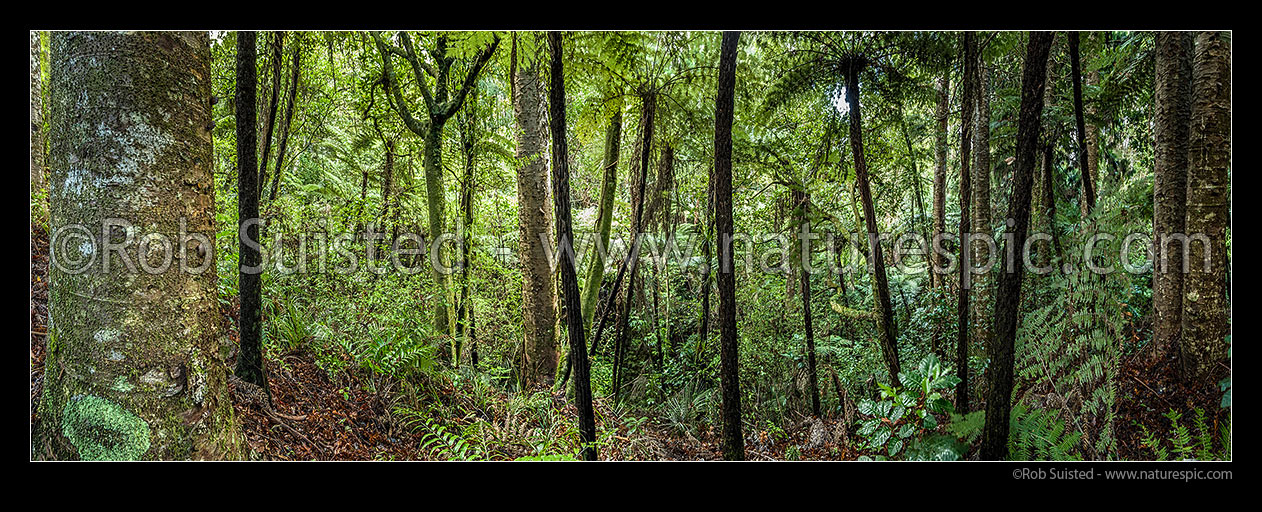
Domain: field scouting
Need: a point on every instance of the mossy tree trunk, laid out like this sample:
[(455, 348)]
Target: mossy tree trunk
[(133, 369), (604, 219), (1205, 305), (801, 204), (37, 116), (433, 77)]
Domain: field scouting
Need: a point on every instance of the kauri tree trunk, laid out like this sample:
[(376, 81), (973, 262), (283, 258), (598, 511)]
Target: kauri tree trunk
[(133, 369), (539, 300), (1205, 306)]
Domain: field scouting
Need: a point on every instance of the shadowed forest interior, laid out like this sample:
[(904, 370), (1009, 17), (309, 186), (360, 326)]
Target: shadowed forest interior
[(622, 245)]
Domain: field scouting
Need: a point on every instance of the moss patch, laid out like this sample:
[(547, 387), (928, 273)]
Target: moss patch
[(103, 430)]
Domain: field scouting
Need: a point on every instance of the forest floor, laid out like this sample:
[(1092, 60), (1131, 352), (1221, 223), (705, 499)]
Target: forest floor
[(1150, 388), (345, 421)]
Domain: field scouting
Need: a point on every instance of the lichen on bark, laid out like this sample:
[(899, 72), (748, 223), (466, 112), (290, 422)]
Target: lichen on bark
[(135, 354)]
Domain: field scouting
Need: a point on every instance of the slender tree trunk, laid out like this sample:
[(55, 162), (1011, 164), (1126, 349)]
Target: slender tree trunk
[(981, 213), (729, 362), (387, 189), (876, 260), (941, 116), (278, 44), (250, 367), (604, 218), (133, 370), (1093, 136), (1044, 188), (289, 118), (469, 136), (707, 270), (1173, 117), (565, 235), (1088, 181), (1048, 199), (915, 172), (37, 116), (437, 203), (968, 90), (648, 109), (1008, 291), (801, 202), (937, 258), (1205, 305)]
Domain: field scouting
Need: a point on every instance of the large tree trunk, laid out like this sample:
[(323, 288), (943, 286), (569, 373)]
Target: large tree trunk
[(968, 90), (539, 302), (565, 235), (37, 116), (133, 369), (729, 367), (250, 366), (604, 218), (1205, 306), (1008, 291), (876, 260), (1173, 96)]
